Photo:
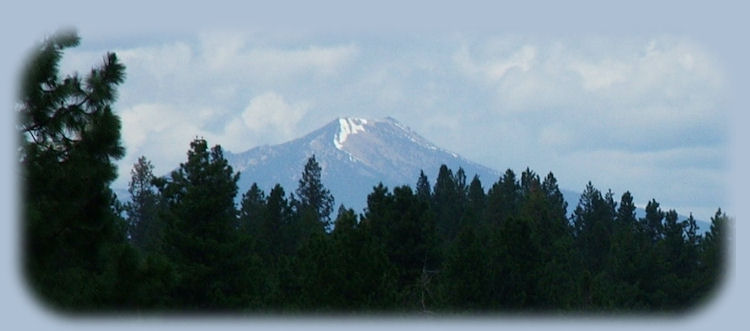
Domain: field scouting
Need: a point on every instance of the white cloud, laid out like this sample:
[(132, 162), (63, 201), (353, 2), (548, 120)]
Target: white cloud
[(596, 76), (228, 53), (179, 90), (139, 121), (270, 114), (496, 67), (158, 61), (161, 132), (537, 102), (615, 93)]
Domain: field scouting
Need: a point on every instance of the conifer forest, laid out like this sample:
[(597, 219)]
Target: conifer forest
[(182, 243)]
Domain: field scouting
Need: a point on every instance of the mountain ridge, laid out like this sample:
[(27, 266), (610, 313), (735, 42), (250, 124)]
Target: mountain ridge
[(360, 152), (355, 155)]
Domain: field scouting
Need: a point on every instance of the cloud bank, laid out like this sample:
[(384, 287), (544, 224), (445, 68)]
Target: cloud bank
[(642, 114)]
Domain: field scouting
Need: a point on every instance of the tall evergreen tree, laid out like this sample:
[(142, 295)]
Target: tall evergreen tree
[(555, 198), (276, 233), (672, 251), (411, 244), (476, 194), (446, 203), (593, 221), (714, 252), (626, 260), (652, 223), (503, 198), (529, 179), (552, 284), (423, 187), (465, 279), (145, 228), (252, 210), (626, 210), (369, 279), (315, 200), (202, 239), (691, 231), (377, 213), (70, 137), (462, 189), (475, 203)]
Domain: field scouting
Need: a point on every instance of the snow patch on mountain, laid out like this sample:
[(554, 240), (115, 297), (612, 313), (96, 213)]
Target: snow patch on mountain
[(349, 126)]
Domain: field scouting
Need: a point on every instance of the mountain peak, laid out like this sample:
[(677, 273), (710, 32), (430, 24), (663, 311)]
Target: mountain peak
[(348, 126), (355, 154)]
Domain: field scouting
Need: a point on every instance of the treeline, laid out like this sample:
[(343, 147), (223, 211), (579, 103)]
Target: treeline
[(451, 247), (181, 244)]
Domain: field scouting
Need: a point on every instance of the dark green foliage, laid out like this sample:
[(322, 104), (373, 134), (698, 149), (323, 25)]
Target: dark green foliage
[(714, 250), (466, 276), (366, 278), (423, 187), (69, 140), (316, 202), (593, 221), (145, 228), (557, 204), (252, 211), (503, 198), (652, 223), (475, 203), (201, 238), (403, 224), (185, 247), (447, 200)]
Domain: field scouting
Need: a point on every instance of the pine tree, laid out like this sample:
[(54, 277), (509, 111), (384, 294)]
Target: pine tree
[(625, 261), (365, 278), (202, 239), (465, 276), (549, 270), (714, 252), (423, 187), (677, 265), (377, 213), (145, 229), (446, 204), (593, 222), (410, 244), (528, 179), (476, 195), (276, 233), (70, 137), (652, 223), (252, 210), (503, 198), (275, 245), (315, 200), (475, 203), (461, 188), (555, 198), (626, 211)]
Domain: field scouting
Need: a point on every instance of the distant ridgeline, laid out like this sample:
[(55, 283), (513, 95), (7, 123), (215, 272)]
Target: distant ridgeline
[(183, 244), (356, 155)]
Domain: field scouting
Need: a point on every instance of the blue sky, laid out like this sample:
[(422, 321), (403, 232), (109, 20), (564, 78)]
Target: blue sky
[(645, 96), (642, 113)]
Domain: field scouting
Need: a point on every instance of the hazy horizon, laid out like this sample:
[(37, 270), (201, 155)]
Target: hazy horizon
[(651, 107)]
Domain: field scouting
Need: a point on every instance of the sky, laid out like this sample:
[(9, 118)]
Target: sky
[(641, 113), (640, 96)]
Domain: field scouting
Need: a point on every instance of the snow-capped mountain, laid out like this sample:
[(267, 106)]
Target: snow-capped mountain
[(355, 154)]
